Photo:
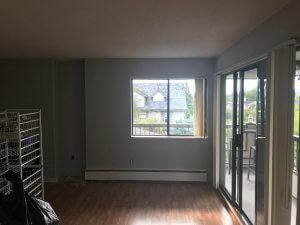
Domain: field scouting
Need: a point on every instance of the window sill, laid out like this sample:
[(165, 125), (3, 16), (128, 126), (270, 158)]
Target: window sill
[(169, 137)]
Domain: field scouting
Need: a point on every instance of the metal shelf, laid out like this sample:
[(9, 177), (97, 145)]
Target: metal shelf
[(9, 135), (29, 121), (29, 129), (35, 188), (21, 134), (34, 176), (3, 120), (5, 187), (28, 114), (25, 138), (3, 157), (38, 194), (3, 171), (30, 145)]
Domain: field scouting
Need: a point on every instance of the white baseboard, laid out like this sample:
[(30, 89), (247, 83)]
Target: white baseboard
[(147, 175)]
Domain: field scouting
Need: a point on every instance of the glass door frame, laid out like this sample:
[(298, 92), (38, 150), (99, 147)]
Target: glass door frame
[(236, 197)]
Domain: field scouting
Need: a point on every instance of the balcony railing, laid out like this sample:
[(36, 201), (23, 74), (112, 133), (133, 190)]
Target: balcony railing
[(161, 129), (296, 145)]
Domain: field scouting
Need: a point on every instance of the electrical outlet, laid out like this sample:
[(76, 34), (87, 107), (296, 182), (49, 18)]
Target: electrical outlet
[(131, 162)]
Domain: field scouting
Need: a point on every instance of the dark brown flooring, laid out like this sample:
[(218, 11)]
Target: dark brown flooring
[(112, 203)]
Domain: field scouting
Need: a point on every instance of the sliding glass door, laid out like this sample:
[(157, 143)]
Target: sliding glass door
[(227, 127), (242, 139)]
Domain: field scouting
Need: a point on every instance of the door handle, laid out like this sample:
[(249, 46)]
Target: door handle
[(238, 140)]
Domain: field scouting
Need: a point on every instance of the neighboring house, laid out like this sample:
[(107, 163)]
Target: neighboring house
[(248, 104), (151, 100)]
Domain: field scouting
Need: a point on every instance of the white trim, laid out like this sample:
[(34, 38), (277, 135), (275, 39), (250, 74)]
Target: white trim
[(280, 134), (240, 65), (216, 132), (252, 60), (143, 175), (169, 137)]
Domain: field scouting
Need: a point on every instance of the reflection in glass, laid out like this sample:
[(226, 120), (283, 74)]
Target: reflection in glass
[(227, 123), (249, 143)]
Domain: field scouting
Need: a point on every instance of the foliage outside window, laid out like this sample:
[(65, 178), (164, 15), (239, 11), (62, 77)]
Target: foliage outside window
[(249, 101), (296, 115)]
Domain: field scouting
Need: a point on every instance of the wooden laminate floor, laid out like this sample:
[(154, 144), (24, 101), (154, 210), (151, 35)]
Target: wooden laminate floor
[(113, 203)]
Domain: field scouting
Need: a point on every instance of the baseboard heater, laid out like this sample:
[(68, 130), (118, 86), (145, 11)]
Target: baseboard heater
[(146, 175)]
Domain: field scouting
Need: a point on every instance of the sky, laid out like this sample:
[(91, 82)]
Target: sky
[(249, 84), (297, 85), (189, 82)]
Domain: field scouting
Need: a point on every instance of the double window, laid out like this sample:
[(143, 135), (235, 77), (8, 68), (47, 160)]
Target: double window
[(169, 107)]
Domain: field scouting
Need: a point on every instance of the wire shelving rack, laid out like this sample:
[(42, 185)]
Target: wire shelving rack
[(21, 149)]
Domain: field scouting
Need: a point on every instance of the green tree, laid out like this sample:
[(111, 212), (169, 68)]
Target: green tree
[(296, 128), (189, 113), (296, 119), (249, 111), (135, 109), (152, 119), (250, 95)]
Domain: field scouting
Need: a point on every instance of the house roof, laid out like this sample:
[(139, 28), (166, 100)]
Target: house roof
[(149, 89), (177, 95)]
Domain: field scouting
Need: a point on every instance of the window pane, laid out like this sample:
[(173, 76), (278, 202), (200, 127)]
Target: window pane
[(296, 130), (297, 105), (187, 117), (228, 124), (296, 120), (149, 107), (296, 142), (250, 148)]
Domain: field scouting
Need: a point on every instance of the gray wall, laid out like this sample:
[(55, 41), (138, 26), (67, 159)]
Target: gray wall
[(108, 116), (70, 119), (279, 28), (57, 88), (29, 84)]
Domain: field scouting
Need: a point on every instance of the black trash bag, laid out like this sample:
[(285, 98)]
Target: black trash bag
[(41, 212), (13, 208), (19, 208)]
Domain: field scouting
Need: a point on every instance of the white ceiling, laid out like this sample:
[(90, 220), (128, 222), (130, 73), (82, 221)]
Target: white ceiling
[(127, 28)]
